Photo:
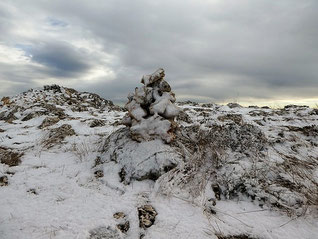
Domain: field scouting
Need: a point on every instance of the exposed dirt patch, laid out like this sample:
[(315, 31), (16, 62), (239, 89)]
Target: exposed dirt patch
[(10, 157), (58, 134)]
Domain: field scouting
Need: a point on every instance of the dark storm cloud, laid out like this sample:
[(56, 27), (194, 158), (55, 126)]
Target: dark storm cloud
[(216, 49), (61, 59)]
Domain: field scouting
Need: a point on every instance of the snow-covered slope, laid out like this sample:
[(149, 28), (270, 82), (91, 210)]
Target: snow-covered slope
[(69, 170)]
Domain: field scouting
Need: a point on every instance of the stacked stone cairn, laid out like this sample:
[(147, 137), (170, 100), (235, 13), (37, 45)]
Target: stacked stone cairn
[(151, 109)]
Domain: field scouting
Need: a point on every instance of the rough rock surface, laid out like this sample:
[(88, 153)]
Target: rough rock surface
[(151, 109), (147, 216), (139, 160)]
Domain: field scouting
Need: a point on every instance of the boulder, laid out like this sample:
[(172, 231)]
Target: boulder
[(139, 160)]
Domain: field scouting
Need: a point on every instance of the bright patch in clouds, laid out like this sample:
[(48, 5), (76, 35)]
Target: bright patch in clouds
[(12, 56)]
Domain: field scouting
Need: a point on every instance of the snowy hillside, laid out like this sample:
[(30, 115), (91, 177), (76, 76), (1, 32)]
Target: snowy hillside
[(69, 169)]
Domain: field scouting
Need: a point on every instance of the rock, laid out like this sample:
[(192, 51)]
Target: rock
[(253, 106), (97, 123), (295, 106), (123, 227), (309, 130), (49, 121), (52, 109), (2, 130), (188, 102), (148, 80), (3, 181), (104, 232), (151, 128), (236, 118), (240, 236), (151, 109), (33, 115), (10, 157), (139, 160), (8, 115), (217, 191), (99, 174), (32, 191), (234, 105), (313, 112), (147, 216), (98, 161), (57, 135), (208, 105), (55, 88), (122, 175), (5, 100), (183, 116), (119, 215), (79, 108)]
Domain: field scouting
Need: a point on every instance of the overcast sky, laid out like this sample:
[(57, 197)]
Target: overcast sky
[(251, 51)]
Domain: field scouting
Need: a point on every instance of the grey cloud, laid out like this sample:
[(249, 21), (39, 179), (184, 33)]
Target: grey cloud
[(221, 50), (61, 59)]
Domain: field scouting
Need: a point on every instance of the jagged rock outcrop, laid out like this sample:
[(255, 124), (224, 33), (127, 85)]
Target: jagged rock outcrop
[(151, 109)]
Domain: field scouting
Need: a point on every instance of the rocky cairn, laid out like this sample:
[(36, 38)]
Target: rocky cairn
[(151, 109), (142, 149)]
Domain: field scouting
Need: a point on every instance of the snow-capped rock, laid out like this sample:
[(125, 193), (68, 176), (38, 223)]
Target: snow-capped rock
[(151, 109)]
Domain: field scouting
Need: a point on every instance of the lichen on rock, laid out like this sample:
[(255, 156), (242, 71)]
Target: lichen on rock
[(151, 109)]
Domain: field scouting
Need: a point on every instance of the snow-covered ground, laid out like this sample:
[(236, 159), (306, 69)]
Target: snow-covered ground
[(56, 191)]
